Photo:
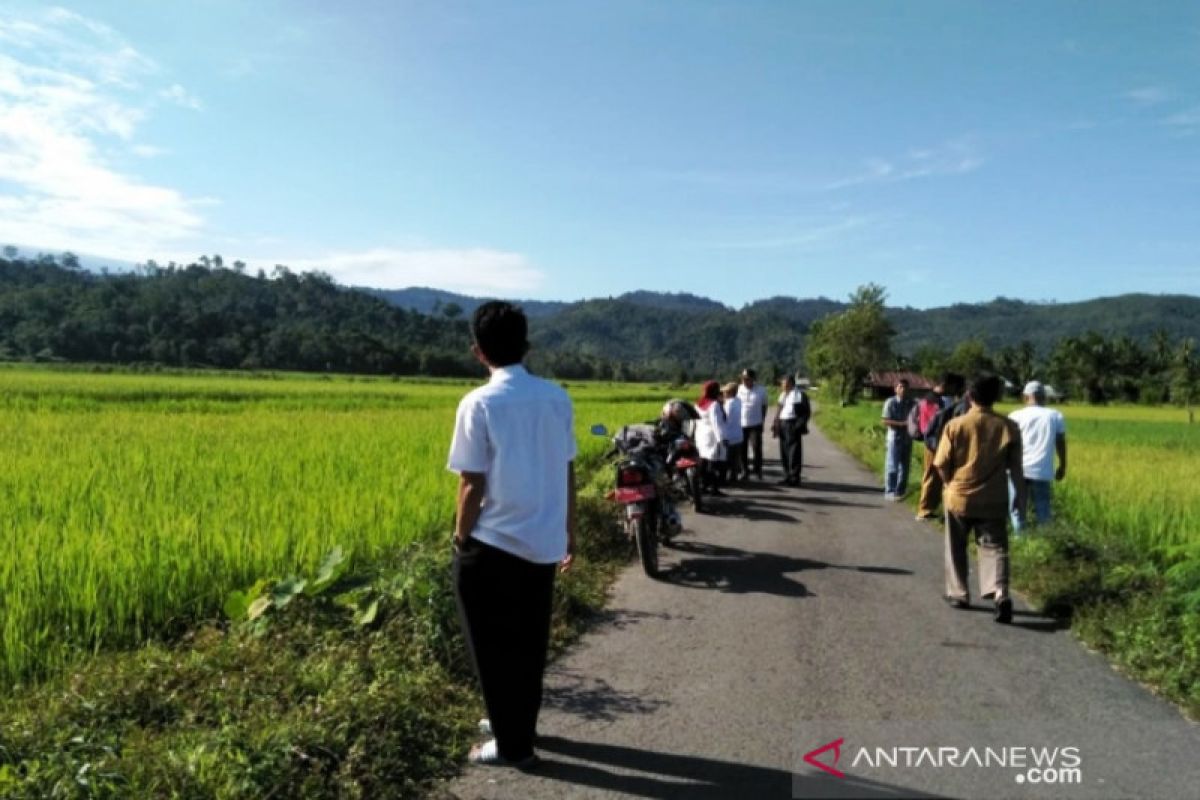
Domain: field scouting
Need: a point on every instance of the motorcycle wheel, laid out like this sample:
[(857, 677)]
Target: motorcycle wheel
[(647, 546), (693, 483)]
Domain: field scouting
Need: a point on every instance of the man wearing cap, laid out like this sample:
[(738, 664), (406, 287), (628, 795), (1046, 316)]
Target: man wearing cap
[(1043, 433), (754, 413)]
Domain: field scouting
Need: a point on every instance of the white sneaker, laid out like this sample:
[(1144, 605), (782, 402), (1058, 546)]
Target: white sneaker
[(889, 497)]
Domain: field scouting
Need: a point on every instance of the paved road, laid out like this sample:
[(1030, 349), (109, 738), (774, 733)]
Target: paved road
[(798, 616)]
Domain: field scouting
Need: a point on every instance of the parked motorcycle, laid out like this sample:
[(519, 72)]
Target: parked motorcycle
[(677, 427), (648, 469)]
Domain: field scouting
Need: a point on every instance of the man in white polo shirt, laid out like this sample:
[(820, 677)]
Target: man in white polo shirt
[(514, 451), (1043, 433), (753, 396)]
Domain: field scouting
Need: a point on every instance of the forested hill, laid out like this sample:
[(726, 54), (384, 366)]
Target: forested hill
[(214, 316), (210, 314), (437, 301), (632, 333), (1005, 322), (698, 335)]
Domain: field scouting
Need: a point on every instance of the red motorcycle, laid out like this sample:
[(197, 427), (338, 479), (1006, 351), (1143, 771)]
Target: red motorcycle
[(644, 490)]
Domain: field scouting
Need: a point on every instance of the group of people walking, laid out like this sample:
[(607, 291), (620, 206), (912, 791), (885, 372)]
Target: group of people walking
[(982, 467), (514, 450)]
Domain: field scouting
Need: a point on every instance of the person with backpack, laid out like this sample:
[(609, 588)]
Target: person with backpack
[(946, 394), (790, 426), (899, 443)]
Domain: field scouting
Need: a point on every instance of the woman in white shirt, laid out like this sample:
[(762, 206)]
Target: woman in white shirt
[(710, 436), (733, 432)]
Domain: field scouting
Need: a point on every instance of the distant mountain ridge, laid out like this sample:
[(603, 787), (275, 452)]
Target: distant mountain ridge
[(618, 328), (432, 301)]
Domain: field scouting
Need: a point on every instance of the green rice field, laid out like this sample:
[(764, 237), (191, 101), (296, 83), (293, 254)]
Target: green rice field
[(133, 504)]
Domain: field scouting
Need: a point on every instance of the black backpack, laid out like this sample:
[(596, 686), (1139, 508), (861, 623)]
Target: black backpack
[(933, 431)]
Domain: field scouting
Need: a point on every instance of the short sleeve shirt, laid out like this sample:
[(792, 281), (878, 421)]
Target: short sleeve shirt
[(897, 410), (754, 401), (979, 452), (1040, 427), (518, 431)]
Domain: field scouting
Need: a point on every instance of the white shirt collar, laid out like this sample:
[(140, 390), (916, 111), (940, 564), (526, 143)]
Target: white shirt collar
[(508, 373)]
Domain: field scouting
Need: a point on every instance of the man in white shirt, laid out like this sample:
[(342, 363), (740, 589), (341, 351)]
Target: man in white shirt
[(1043, 433), (514, 451), (791, 423), (754, 413)]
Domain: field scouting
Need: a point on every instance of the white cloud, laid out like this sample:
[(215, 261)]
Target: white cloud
[(957, 157), (1185, 122), (475, 271), (182, 97), (807, 236), (1147, 95), (69, 102), (68, 41), (148, 151)]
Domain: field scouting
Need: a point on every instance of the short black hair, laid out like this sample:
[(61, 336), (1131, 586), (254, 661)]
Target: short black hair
[(501, 332), (952, 383), (749, 373), (902, 382), (985, 389)]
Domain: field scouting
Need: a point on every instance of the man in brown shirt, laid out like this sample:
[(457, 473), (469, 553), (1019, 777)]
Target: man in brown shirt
[(976, 456)]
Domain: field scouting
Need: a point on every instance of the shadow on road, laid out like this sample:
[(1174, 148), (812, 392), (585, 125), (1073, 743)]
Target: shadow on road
[(729, 569), (843, 488), (830, 501), (626, 617), (666, 775), (754, 512), (595, 699), (1030, 620)]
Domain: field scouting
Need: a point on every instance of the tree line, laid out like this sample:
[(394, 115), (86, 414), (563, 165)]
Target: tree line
[(845, 346), (210, 314), (214, 314)]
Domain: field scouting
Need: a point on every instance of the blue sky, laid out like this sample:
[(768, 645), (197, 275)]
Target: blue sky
[(950, 151)]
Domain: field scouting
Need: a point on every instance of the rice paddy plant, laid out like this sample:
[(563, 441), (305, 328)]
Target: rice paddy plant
[(131, 505)]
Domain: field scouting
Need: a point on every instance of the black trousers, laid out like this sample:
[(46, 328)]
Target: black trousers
[(791, 450), (752, 440), (504, 604), (712, 473)]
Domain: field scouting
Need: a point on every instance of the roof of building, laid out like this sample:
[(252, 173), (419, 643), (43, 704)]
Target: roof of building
[(887, 380)]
